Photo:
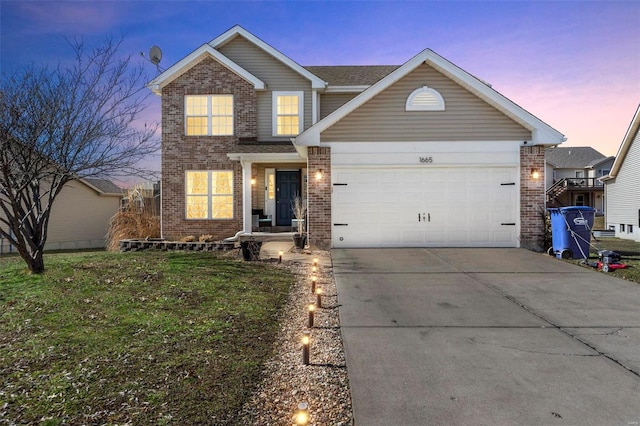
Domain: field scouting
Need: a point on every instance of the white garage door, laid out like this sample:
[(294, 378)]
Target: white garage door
[(418, 207)]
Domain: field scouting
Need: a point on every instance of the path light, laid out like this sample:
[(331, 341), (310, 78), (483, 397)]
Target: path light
[(311, 308), (280, 254), (314, 281), (306, 343), (319, 297), (314, 269), (302, 414), (315, 261)]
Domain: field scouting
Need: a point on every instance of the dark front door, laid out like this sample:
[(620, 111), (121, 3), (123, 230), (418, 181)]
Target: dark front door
[(287, 187)]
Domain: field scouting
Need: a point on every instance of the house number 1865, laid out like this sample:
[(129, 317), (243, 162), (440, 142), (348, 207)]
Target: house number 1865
[(426, 160)]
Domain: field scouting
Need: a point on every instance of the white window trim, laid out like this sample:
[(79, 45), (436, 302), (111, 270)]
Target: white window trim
[(209, 195), (209, 114), (411, 106), (274, 111)]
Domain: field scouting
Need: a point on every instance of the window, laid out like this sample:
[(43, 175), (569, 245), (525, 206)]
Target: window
[(629, 229), (271, 187), (209, 115), (425, 99), (622, 227), (288, 116), (209, 194)]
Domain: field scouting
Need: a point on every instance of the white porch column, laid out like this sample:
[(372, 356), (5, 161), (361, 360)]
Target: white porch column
[(246, 196)]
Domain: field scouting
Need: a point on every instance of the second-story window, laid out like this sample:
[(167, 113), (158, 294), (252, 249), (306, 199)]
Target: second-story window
[(208, 115), (288, 116)]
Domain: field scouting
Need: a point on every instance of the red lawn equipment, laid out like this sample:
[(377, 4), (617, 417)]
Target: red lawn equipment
[(609, 261)]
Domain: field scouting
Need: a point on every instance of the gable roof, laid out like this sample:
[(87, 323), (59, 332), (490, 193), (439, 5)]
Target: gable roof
[(596, 163), (575, 157), (102, 186), (629, 136), (237, 30), (186, 63), (542, 133)]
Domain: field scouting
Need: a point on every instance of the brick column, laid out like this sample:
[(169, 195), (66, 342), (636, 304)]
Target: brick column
[(319, 197), (532, 198)]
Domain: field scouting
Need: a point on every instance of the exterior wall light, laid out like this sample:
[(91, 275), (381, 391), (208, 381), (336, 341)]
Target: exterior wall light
[(319, 174), (253, 181), (535, 174)]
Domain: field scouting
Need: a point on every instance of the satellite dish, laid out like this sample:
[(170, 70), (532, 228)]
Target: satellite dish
[(155, 55)]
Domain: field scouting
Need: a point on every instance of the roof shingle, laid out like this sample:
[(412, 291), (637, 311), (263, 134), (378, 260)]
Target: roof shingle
[(576, 157), (352, 75)]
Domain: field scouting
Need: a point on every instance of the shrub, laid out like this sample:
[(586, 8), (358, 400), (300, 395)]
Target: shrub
[(136, 219)]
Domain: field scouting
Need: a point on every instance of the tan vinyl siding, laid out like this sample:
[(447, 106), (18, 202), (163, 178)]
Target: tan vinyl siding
[(623, 193), (276, 75), (333, 101), (80, 217), (466, 117)]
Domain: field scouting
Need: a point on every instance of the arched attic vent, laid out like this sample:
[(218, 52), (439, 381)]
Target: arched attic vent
[(425, 99)]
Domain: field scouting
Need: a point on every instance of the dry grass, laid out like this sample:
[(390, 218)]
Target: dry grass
[(135, 220)]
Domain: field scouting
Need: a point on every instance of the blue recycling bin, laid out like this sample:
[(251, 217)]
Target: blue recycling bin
[(571, 231)]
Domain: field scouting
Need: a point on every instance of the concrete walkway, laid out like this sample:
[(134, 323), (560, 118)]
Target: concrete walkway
[(486, 336)]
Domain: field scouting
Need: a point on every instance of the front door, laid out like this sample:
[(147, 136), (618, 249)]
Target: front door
[(287, 187)]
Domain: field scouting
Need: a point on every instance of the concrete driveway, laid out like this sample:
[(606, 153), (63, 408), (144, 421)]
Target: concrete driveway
[(486, 336)]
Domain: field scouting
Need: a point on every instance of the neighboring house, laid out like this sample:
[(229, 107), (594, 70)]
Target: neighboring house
[(573, 177), (421, 154), (622, 185), (80, 215)]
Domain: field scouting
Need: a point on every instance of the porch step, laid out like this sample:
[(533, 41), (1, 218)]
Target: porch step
[(268, 236)]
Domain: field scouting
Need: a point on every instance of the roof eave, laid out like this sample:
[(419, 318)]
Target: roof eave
[(186, 63), (347, 89), (541, 132), (633, 129)]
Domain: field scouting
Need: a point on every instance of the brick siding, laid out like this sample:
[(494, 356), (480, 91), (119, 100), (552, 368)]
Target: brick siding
[(319, 197), (181, 153), (532, 198)]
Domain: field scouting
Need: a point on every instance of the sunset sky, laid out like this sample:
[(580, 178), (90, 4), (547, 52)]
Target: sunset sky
[(573, 64)]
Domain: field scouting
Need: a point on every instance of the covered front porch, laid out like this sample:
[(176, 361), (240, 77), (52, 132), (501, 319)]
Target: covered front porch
[(270, 183)]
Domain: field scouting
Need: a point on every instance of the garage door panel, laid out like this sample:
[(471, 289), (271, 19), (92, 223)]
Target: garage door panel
[(457, 207)]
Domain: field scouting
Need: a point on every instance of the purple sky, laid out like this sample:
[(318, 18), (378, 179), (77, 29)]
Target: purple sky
[(573, 64)]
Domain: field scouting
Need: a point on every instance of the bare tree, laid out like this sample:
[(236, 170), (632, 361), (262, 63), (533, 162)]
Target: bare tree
[(62, 124)]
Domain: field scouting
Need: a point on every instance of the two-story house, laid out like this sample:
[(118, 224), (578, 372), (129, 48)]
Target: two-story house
[(420, 154), (573, 177)]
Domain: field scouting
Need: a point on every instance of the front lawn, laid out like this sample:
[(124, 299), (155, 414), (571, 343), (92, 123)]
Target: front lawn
[(139, 338)]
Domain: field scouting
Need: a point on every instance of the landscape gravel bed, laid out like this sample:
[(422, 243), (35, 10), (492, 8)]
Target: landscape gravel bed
[(323, 384)]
